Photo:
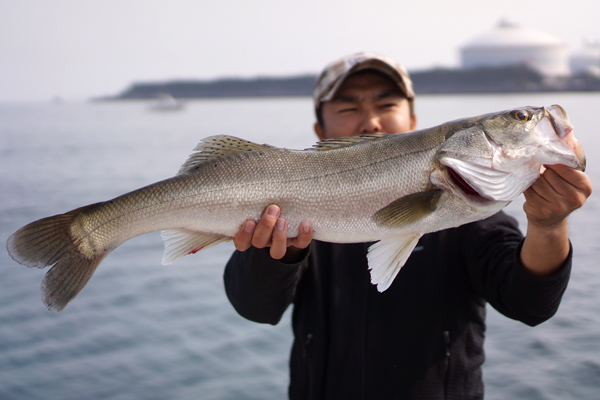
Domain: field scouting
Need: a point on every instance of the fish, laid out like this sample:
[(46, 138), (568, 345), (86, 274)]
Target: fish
[(388, 189)]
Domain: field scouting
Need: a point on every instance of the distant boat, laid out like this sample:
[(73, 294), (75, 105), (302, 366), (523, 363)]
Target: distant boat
[(166, 102)]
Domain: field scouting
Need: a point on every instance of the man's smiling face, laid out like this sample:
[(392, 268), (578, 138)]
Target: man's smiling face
[(366, 103)]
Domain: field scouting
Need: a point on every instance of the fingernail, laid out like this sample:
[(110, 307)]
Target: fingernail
[(280, 224), (272, 211), (306, 227), (249, 226)]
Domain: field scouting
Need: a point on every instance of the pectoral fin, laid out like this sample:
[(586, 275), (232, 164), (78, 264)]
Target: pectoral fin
[(388, 256), (408, 209), (181, 242)]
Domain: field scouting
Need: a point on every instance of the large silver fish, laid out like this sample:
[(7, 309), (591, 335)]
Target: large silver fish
[(390, 188)]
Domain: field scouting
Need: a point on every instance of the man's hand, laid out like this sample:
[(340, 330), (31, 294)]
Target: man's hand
[(271, 231), (559, 191)]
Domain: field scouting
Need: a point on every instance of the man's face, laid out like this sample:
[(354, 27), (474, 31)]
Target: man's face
[(366, 103)]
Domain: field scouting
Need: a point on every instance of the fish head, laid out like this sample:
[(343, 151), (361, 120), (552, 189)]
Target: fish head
[(542, 134), (498, 156)]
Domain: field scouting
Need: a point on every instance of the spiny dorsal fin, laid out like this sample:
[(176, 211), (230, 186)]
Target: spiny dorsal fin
[(408, 209), (218, 146), (337, 143)]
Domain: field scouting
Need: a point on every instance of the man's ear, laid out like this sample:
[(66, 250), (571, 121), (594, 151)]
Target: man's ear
[(413, 122), (319, 131)]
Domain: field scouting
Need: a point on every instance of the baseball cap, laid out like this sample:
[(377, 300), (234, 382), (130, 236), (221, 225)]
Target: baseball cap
[(337, 71)]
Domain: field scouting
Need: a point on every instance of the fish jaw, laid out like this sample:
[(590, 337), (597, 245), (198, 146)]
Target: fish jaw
[(561, 146), (559, 119)]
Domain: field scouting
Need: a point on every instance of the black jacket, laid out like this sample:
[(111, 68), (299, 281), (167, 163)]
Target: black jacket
[(420, 339)]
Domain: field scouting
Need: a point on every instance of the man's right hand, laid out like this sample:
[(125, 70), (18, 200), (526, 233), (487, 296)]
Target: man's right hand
[(271, 231)]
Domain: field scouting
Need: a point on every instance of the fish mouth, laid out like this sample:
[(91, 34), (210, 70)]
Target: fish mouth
[(556, 122), (559, 120)]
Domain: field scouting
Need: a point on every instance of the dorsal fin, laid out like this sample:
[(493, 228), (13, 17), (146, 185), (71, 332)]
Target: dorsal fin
[(337, 143), (218, 146)]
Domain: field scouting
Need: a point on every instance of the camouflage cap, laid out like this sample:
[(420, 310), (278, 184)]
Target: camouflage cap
[(336, 73)]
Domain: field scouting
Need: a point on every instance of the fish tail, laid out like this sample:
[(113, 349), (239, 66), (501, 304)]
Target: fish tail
[(49, 242)]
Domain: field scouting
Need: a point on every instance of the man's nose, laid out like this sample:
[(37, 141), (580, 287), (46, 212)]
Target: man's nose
[(371, 123)]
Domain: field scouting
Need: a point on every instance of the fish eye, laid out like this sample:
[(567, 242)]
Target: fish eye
[(520, 115)]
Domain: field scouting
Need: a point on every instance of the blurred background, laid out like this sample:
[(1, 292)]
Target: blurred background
[(141, 330), (77, 50)]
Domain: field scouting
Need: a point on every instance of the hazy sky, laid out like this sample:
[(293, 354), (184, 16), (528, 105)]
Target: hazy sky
[(77, 49)]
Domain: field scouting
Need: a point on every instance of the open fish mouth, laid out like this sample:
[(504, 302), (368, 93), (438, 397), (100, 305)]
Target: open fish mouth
[(559, 120), (560, 145), (563, 128)]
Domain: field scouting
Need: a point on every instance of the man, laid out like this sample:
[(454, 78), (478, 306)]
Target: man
[(423, 337)]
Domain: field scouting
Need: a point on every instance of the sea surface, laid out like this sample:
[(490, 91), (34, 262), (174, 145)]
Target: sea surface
[(142, 330)]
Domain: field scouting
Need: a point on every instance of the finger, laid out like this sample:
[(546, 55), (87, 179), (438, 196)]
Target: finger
[(264, 229), (567, 173), (279, 242), (537, 207), (564, 187), (571, 178), (304, 236), (556, 183), (542, 188), (538, 194), (571, 195), (552, 187), (558, 192), (243, 238)]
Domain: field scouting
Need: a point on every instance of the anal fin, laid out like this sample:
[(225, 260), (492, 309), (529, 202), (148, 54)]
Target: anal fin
[(388, 256), (181, 242)]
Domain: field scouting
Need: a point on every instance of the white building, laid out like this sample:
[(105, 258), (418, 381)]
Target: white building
[(509, 44), (586, 60)]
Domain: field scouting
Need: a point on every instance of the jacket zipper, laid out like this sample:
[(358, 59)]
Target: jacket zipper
[(306, 343), (307, 362), (446, 362)]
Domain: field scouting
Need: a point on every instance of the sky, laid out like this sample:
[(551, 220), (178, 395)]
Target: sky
[(76, 49)]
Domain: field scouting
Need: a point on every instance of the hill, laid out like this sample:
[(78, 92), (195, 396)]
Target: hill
[(516, 79)]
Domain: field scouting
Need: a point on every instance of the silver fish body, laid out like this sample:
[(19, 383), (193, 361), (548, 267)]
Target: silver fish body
[(386, 188)]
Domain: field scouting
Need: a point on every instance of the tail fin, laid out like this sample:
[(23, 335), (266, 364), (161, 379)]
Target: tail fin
[(49, 242)]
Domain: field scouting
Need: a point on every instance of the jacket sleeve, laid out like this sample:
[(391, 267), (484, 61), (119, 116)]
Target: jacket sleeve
[(259, 287), (493, 248)]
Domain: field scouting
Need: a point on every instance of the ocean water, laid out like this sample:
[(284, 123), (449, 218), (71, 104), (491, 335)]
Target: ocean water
[(141, 330)]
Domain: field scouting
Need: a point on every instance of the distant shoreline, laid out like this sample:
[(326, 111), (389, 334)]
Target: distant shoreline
[(515, 79)]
